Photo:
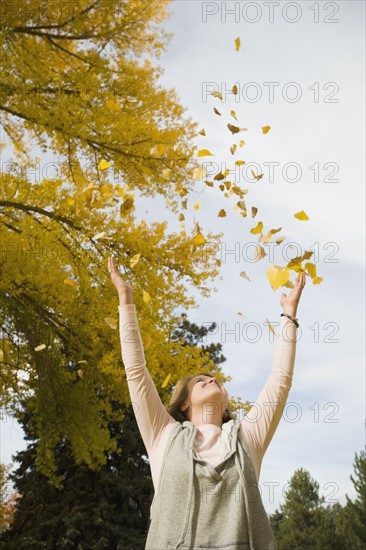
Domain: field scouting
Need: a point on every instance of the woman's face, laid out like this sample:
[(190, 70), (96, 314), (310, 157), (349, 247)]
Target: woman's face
[(204, 390)]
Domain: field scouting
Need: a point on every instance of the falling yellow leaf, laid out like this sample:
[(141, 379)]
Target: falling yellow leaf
[(317, 280), (209, 183), (237, 44), (259, 253), (104, 164), (240, 162), (233, 114), (241, 314), (277, 276), (254, 211), (112, 323), (220, 176), (134, 260), (197, 206), (217, 112), (80, 373), (204, 153), (257, 229), (234, 89), (181, 218), (233, 149), (40, 347), (301, 216), (202, 132), (233, 129), (280, 239), (270, 327), (166, 380), (184, 204), (259, 177), (241, 143), (146, 296), (126, 205), (244, 275), (69, 282), (266, 129), (221, 214), (217, 94), (199, 239)]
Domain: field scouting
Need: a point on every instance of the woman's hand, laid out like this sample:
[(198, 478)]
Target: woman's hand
[(290, 302), (125, 291)]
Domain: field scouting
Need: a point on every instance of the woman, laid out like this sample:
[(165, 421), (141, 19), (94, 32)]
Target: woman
[(205, 465)]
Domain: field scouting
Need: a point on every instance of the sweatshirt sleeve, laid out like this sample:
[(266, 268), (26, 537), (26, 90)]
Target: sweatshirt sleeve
[(150, 413), (263, 418)]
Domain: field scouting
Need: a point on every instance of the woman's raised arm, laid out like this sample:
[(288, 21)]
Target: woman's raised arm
[(150, 413)]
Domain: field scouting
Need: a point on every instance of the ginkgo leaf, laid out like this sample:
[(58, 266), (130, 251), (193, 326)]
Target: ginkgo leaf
[(40, 347), (209, 183), (233, 114), (166, 380), (166, 173), (257, 229), (184, 204), (69, 282), (220, 176), (301, 216), (234, 89), (146, 296), (202, 132), (244, 275), (266, 129), (70, 201), (237, 44), (270, 327), (181, 218), (240, 313), (199, 239), (233, 129), (126, 205), (80, 373), (254, 211), (104, 164), (217, 94), (259, 177), (278, 276), (197, 206), (99, 236), (260, 253), (134, 260), (317, 280), (233, 149), (217, 112), (204, 153), (221, 214), (280, 239), (240, 162), (222, 187), (111, 322), (241, 143)]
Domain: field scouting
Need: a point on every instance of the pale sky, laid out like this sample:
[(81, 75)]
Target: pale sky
[(318, 143)]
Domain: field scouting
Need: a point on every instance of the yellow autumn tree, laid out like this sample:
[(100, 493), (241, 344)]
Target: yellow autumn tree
[(78, 81)]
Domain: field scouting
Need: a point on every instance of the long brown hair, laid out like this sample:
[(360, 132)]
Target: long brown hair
[(180, 395)]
